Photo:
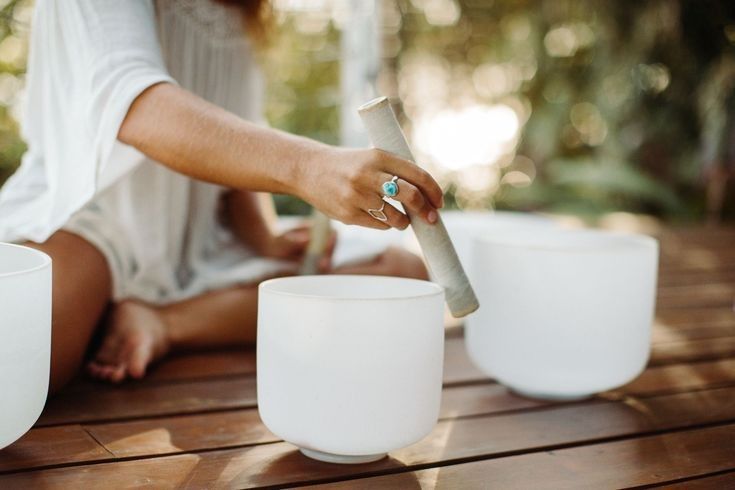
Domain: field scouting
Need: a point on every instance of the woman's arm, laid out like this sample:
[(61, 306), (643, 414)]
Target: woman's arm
[(203, 141), (245, 216)]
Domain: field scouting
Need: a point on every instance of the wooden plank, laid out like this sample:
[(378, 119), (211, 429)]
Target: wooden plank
[(701, 260), (244, 427), (457, 365), (136, 400), (172, 435), (692, 350), (451, 441), (164, 435), (643, 461), (241, 427), (459, 368), (212, 364), (680, 377), (694, 277), (723, 316), (51, 446), (189, 366), (132, 401), (720, 481), (663, 334), (704, 295)]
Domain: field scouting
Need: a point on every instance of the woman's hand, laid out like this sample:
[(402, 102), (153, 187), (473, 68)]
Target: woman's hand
[(344, 183), (291, 245)]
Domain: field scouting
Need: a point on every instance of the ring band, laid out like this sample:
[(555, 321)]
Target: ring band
[(390, 187), (378, 214)]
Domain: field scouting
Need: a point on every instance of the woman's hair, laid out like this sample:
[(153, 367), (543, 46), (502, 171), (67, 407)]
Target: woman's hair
[(257, 15)]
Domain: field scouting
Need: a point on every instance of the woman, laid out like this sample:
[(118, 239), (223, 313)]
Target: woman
[(144, 156)]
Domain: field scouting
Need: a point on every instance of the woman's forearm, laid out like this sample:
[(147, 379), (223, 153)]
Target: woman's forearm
[(197, 138)]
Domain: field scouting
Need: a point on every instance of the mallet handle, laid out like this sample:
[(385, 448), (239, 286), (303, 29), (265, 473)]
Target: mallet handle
[(444, 265), (320, 231)]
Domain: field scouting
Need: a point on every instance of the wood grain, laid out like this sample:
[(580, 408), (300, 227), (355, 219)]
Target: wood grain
[(663, 334), (714, 482), (133, 401), (695, 277), (205, 365), (451, 440), (692, 317), (642, 461), (680, 377), (703, 295), (692, 350), (51, 446)]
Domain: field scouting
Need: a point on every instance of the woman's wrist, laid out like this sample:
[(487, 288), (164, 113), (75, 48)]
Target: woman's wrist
[(309, 168)]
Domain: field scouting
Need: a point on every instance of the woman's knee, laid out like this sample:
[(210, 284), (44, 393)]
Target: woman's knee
[(402, 263), (81, 292)]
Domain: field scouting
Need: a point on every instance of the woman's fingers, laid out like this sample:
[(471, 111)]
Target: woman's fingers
[(414, 202), (362, 218), (394, 218), (415, 175), (353, 183)]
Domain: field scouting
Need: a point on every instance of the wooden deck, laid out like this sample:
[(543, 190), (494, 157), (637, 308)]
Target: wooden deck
[(193, 422)]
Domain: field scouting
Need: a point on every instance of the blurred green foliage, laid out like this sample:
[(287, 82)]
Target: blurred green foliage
[(13, 46), (624, 105)]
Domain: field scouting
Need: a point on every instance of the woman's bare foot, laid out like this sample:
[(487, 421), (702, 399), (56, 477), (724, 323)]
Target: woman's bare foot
[(136, 336)]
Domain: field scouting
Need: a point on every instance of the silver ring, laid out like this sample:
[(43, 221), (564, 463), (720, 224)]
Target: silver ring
[(378, 214)]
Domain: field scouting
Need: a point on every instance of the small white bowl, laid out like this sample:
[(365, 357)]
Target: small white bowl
[(565, 314), (349, 367), (25, 333)]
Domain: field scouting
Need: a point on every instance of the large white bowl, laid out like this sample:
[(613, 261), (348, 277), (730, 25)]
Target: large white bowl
[(350, 367), (565, 314), (465, 226), (25, 338)]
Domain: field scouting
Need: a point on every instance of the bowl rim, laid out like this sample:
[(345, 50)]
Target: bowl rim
[(267, 286), (605, 240), (45, 260)]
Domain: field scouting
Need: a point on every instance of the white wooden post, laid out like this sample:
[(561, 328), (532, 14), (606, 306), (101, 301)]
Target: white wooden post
[(359, 67)]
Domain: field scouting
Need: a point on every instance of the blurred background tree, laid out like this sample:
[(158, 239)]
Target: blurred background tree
[(573, 106)]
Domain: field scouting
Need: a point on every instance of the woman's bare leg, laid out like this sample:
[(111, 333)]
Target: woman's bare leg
[(138, 334), (81, 292)]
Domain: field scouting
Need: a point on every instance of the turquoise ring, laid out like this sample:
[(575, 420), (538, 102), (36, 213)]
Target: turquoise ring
[(390, 188)]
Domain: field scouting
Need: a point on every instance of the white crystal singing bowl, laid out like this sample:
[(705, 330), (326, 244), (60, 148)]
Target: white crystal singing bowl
[(565, 314), (25, 338), (350, 367), (465, 226)]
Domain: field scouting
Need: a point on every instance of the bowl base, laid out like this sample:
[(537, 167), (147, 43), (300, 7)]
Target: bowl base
[(341, 458), (551, 396)]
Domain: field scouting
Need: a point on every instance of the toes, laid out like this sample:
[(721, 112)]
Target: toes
[(141, 356), (95, 369), (114, 373), (117, 374), (110, 351)]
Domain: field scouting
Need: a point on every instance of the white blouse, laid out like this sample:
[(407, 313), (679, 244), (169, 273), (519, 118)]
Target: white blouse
[(88, 61), (158, 229)]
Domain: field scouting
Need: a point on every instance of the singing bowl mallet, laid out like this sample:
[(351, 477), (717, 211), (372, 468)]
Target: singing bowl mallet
[(441, 257), (320, 232)]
